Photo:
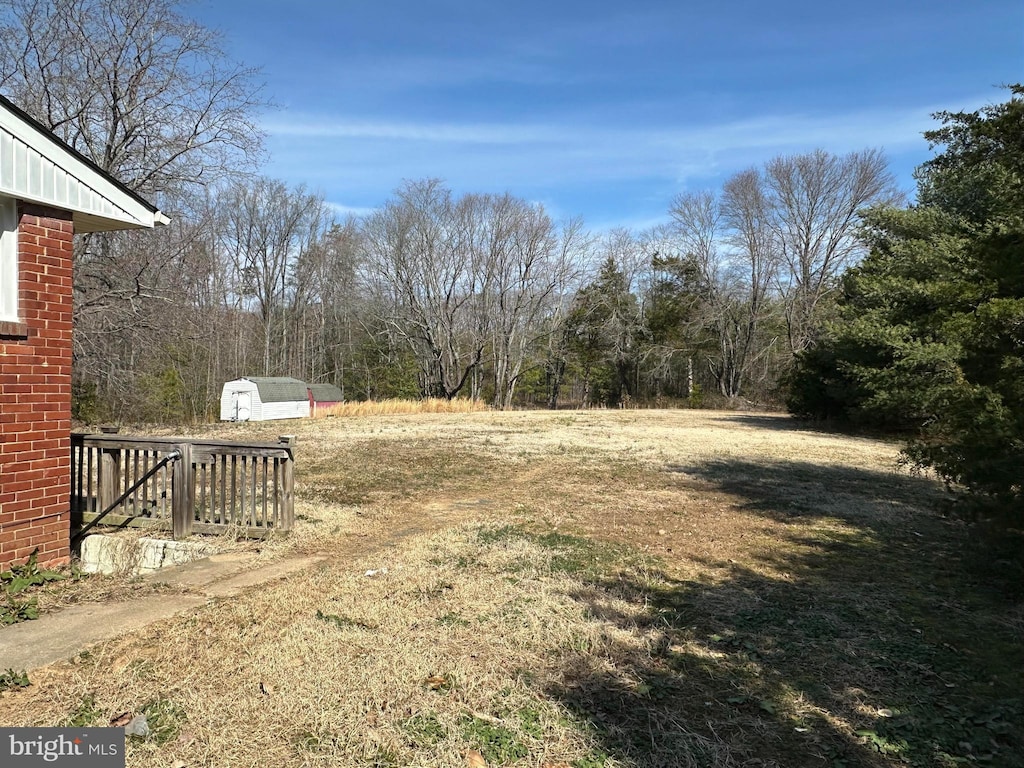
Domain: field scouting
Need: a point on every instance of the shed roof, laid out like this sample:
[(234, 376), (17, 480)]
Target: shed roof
[(326, 393), (37, 167), (279, 389)]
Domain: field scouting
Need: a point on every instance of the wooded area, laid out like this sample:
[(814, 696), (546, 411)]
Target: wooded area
[(479, 295)]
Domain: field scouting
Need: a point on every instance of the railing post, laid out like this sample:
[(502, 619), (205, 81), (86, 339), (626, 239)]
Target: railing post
[(183, 490), (77, 460), (108, 479), (288, 481)]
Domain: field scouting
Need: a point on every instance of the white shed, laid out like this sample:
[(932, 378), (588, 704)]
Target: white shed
[(263, 398)]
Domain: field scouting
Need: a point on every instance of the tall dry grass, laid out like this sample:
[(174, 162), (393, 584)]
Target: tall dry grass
[(391, 407)]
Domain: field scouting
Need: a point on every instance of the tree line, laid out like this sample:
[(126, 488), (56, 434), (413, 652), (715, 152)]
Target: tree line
[(442, 295)]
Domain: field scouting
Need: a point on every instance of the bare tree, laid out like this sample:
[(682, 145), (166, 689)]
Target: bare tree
[(266, 234), (144, 92), (777, 239), (813, 202), (528, 262), (555, 332), (152, 98), (469, 283), (328, 303), (746, 280), (419, 261), (725, 246)]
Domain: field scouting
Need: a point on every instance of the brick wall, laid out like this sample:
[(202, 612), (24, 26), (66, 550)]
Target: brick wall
[(35, 395)]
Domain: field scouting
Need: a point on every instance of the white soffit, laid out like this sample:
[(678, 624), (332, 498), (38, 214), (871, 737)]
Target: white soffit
[(36, 167)]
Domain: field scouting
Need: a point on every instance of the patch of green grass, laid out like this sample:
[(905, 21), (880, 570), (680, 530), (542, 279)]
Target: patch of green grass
[(382, 758), (85, 714), (343, 622), (452, 619), (10, 680), (424, 730), (529, 722), (461, 561), (322, 742), (593, 760), (578, 642), (596, 758), (165, 718), (142, 669), (576, 556), (306, 741), (491, 535), (498, 744)]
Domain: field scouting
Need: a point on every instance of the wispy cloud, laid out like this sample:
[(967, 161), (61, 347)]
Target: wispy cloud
[(865, 128), (345, 211), (543, 150), (324, 128), (627, 173)]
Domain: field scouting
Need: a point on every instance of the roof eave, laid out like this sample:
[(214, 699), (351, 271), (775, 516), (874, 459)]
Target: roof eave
[(119, 208), (87, 222)]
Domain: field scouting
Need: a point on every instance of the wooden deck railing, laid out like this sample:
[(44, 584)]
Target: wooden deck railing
[(187, 486)]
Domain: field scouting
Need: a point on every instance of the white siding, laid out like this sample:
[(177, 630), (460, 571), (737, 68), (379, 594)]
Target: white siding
[(290, 410), (35, 169), (259, 411), (8, 261), (228, 400)]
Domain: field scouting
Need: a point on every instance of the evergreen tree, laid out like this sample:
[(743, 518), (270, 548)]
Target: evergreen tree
[(931, 335), (603, 328)]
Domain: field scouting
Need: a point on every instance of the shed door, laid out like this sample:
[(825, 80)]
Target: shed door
[(243, 406)]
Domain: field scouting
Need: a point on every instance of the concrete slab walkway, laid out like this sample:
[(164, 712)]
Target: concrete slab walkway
[(66, 633)]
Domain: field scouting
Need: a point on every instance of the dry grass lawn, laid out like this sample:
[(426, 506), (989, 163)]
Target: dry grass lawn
[(585, 589)]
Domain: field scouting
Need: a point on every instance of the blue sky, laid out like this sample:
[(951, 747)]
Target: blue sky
[(600, 109)]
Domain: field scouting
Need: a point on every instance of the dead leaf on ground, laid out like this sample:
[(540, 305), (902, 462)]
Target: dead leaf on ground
[(120, 721), (474, 759), (435, 682)]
